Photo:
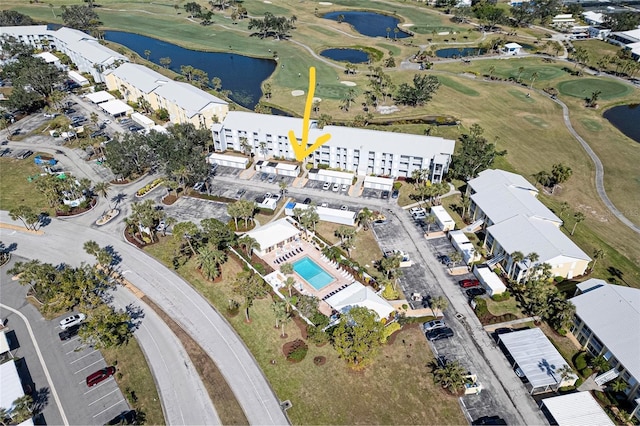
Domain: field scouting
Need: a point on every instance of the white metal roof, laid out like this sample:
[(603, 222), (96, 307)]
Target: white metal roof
[(191, 99), (378, 180), (532, 235), (577, 409), (142, 119), (99, 97), (491, 179), (10, 385), (335, 173), (273, 233), (286, 166), (612, 312), (115, 107), (535, 355), (4, 343), (19, 30), (490, 279), (501, 203), (357, 294), (230, 158), (441, 213), (512, 46), (140, 77), (48, 57), (77, 77)]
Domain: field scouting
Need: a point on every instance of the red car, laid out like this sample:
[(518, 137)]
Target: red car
[(100, 375), (469, 283)]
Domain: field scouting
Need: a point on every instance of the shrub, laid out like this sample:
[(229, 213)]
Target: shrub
[(580, 361), (558, 279), (501, 297), (481, 306), (259, 267), (162, 114), (397, 185), (298, 351), (389, 330)]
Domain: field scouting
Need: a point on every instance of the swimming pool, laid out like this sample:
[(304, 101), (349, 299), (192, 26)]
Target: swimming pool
[(312, 273)]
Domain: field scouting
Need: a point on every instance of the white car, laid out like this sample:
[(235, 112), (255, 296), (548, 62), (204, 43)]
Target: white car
[(324, 205), (417, 210), (161, 226), (336, 187), (433, 325), (345, 187), (72, 320), (326, 185), (344, 208), (50, 115)]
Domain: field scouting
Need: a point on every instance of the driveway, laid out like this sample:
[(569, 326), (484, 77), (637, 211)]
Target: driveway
[(177, 298)]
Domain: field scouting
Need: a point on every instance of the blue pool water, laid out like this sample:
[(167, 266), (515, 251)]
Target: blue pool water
[(312, 273)]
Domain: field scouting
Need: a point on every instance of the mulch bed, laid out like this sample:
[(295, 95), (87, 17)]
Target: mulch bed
[(391, 339), (319, 360), (133, 241), (302, 326), (289, 347), (169, 199)]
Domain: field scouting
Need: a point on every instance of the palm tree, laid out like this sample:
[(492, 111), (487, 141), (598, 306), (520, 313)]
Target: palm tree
[(283, 187), (289, 283), (531, 259), (248, 244), (147, 54), (565, 372), (619, 385), (563, 208), (438, 303), (599, 363), (520, 71), (431, 219), (492, 69), (455, 257), (534, 75), (579, 217), (102, 189), (451, 376), (560, 174), (597, 255), (516, 257), (279, 308), (206, 263), (364, 218)]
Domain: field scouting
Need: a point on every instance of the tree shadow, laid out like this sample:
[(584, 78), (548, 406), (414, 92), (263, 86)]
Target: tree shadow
[(44, 220), (617, 274), (136, 313), (116, 259), (118, 198), (8, 249), (40, 399)]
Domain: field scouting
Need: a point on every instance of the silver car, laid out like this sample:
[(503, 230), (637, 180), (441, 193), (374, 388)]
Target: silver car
[(432, 325), (72, 320)]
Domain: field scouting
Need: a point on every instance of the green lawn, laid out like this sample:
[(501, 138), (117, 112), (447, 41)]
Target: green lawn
[(332, 393), (15, 190), (584, 87)]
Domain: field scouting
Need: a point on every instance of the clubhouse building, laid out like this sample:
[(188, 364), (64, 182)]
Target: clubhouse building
[(355, 150)]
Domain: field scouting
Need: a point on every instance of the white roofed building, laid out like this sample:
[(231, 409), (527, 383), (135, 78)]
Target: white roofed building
[(606, 323), (10, 385), (365, 152), (85, 51), (538, 359), (274, 235), (116, 108), (576, 409), (357, 294), (515, 220)]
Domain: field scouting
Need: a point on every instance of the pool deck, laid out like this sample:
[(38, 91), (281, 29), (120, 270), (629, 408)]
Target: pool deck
[(341, 278)]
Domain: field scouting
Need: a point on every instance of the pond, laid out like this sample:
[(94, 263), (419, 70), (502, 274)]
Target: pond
[(455, 52), (242, 75), (369, 23), (625, 118), (354, 56)]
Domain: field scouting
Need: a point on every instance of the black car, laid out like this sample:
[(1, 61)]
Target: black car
[(476, 291), (385, 195), (69, 332), (395, 193), (439, 333), (125, 418), (489, 420), (444, 259), (307, 201)]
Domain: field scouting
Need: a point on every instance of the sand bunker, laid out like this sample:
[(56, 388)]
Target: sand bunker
[(348, 83), (317, 99), (325, 3), (297, 92)]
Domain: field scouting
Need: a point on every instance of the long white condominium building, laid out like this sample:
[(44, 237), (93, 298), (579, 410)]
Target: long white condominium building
[(357, 150), (84, 50)]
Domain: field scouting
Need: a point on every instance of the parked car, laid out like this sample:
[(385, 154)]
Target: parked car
[(324, 205), (161, 226), (272, 178), (345, 187), (307, 201), (439, 333), (468, 283), (240, 192), (336, 187), (444, 259), (72, 320), (385, 195), (432, 325), (326, 186), (395, 193), (50, 115), (69, 332), (415, 210), (344, 208), (24, 154), (489, 420), (100, 376), (263, 176), (124, 418), (519, 372), (198, 186), (475, 292)]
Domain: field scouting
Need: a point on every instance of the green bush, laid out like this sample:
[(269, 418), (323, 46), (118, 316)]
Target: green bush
[(389, 330), (586, 372), (558, 279), (580, 361), (481, 306), (259, 267), (501, 297), (397, 185), (298, 353)]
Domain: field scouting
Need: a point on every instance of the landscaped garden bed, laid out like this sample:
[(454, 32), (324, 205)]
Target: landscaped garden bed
[(149, 187)]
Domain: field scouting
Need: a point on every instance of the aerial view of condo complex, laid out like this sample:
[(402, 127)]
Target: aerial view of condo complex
[(302, 212)]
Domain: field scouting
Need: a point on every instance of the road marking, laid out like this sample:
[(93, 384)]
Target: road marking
[(108, 408), (88, 366), (92, 388), (44, 366), (70, 341), (104, 396), (84, 356)]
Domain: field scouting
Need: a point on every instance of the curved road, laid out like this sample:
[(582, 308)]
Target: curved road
[(178, 299)]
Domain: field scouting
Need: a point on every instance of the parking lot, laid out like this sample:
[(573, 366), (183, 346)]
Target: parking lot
[(101, 402)]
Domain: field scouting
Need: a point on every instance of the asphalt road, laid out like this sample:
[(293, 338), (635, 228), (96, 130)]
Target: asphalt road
[(177, 298)]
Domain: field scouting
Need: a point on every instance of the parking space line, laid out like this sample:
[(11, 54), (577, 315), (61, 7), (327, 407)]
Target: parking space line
[(104, 396), (98, 386), (84, 356), (108, 408), (71, 341), (88, 366)]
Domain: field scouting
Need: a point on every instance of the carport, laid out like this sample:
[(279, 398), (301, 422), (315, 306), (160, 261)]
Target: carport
[(579, 409), (229, 160), (4, 345), (116, 108), (373, 182), (10, 385), (538, 359), (489, 280), (333, 176), (100, 97)]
